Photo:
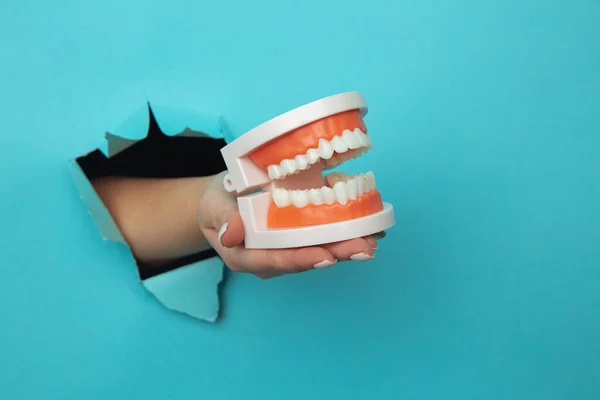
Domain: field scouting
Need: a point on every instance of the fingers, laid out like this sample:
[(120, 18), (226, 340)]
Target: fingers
[(218, 211), (231, 233), (371, 241), (268, 262), (380, 235), (360, 249), (216, 207), (285, 261)]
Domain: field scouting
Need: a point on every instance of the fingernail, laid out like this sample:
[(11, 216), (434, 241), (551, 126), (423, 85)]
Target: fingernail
[(222, 232), (361, 257), (324, 264)]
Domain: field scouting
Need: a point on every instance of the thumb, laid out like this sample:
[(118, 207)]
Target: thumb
[(218, 212), (231, 232)]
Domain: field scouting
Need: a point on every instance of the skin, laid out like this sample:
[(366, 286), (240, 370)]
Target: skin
[(165, 219)]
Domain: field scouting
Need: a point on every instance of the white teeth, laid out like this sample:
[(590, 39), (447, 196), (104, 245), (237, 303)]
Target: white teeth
[(351, 189), (360, 185), (325, 149), (351, 139), (339, 145), (370, 179), (301, 162), (299, 198), (342, 189), (280, 197), (365, 141), (348, 145), (341, 158), (312, 155), (316, 197), (328, 195), (288, 167), (340, 193), (274, 172)]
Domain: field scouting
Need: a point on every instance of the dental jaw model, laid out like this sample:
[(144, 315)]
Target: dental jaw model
[(277, 170)]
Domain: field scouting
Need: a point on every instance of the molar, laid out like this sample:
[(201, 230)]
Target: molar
[(280, 197), (299, 198)]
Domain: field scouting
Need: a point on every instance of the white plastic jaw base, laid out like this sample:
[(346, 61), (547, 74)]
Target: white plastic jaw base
[(254, 210), (227, 184)]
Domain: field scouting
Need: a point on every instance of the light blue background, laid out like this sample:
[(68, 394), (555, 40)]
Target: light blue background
[(485, 117)]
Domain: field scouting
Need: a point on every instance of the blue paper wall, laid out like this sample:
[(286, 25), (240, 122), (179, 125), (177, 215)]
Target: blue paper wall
[(485, 118)]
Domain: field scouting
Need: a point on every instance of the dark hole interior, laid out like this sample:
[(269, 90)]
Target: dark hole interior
[(160, 156)]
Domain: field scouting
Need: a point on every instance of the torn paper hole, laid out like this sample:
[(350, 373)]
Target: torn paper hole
[(160, 142)]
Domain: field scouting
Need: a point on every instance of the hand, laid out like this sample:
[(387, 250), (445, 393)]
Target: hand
[(222, 226)]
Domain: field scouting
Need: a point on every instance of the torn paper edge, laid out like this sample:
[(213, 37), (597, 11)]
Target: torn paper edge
[(184, 289)]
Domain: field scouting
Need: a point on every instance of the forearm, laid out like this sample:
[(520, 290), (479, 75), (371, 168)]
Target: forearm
[(157, 217)]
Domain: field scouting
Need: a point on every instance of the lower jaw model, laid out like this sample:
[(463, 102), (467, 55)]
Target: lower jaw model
[(277, 168)]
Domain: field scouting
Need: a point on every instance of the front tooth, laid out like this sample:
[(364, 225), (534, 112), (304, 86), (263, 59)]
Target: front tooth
[(369, 182), (299, 198), (280, 197), (360, 184), (340, 193), (301, 162), (352, 141), (274, 172), (339, 145), (325, 149), (316, 197), (288, 166), (328, 195), (351, 188), (312, 155), (371, 177), (366, 183)]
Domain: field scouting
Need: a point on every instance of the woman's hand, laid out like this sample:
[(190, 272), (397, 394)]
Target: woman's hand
[(159, 220), (221, 225)]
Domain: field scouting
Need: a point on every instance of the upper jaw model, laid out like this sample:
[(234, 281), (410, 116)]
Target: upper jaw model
[(281, 163)]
